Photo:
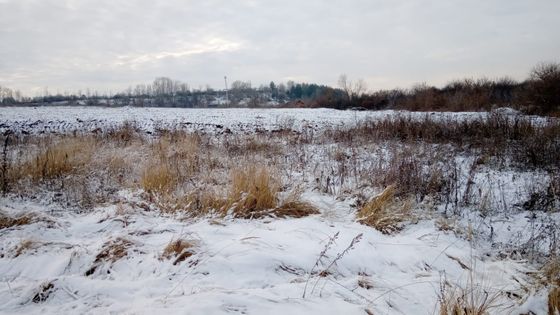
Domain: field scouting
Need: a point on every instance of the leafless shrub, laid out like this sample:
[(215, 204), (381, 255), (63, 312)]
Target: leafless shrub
[(4, 164), (497, 135), (124, 134), (544, 87), (326, 271)]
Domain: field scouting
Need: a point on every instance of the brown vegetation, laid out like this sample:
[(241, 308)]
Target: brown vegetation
[(111, 252), (551, 279), (385, 212), (253, 190), (469, 300), (7, 221), (179, 249)]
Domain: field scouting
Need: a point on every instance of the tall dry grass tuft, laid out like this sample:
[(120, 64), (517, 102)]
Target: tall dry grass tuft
[(551, 273), (70, 155), (554, 301), (158, 179), (253, 190), (385, 212), (254, 193), (176, 159), (473, 299)]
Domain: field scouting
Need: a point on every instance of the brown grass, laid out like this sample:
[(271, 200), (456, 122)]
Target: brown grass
[(294, 209), (180, 150), (24, 246), (176, 159), (253, 190), (551, 273), (196, 203), (124, 134), (554, 301), (158, 179), (7, 221), (111, 252), (472, 300), (251, 146), (384, 212), (179, 249), (527, 143), (60, 158)]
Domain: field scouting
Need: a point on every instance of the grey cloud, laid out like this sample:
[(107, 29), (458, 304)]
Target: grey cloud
[(74, 44)]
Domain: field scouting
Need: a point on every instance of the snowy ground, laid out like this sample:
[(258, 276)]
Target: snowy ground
[(67, 119), (265, 266), (239, 266)]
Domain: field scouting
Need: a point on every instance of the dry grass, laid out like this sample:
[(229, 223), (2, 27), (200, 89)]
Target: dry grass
[(253, 190), (551, 273), (179, 249), (449, 225), (177, 159), (158, 179), (7, 221), (554, 301), (43, 293), (123, 134), (470, 300), (251, 146), (196, 203), (25, 245), (111, 251), (179, 149), (294, 209), (385, 212), (69, 155)]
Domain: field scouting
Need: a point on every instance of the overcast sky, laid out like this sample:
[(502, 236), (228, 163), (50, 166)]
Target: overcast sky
[(67, 45)]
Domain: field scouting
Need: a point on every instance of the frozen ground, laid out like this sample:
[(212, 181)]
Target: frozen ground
[(239, 266), (265, 266), (67, 119)]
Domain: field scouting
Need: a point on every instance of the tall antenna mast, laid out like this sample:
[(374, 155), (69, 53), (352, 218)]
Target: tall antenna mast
[(227, 97)]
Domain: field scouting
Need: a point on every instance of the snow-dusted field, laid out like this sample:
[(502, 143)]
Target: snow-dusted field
[(261, 266), (239, 267), (67, 119)]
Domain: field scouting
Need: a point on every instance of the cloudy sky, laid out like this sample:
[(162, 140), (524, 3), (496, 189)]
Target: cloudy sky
[(68, 45)]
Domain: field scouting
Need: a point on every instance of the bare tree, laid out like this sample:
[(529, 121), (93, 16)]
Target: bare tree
[(545, 86), (352, 89)]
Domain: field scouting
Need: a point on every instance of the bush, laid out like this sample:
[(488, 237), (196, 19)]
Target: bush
[(544, 87)]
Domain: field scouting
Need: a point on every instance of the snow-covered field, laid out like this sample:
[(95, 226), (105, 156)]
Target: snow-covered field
[(67, 119), (261, 266)]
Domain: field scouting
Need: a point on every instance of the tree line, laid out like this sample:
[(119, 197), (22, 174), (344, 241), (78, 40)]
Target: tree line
[(538, 94)]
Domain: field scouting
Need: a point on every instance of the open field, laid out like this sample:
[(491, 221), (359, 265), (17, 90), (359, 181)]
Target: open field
[(137, 210)]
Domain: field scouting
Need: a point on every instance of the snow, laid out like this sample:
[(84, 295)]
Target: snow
[(67, 119), (258, 266), (253, 267)]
